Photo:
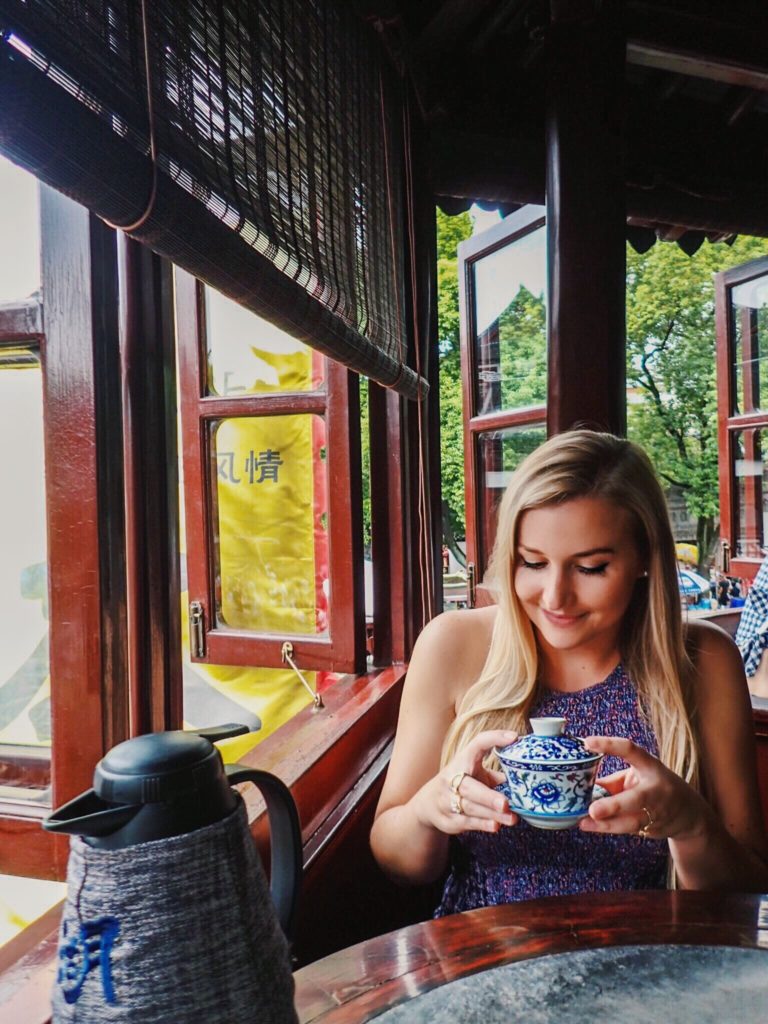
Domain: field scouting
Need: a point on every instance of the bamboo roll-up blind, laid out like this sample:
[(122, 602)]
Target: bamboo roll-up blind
[(277, 133)]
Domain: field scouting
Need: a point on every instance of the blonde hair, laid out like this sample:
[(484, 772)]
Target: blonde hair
[(575, 464)]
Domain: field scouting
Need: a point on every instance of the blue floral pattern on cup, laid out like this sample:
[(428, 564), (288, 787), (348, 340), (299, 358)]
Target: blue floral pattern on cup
[(548, 792), (545, 793), (545, 749), (551, 777)]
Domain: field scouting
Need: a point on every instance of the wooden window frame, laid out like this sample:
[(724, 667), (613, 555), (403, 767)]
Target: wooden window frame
[(21, 326), (729, 424), (471, 251), (78, 334), (343, 649)]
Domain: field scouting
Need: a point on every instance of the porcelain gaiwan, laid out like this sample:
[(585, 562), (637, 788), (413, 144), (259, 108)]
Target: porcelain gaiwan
[(550, 775)]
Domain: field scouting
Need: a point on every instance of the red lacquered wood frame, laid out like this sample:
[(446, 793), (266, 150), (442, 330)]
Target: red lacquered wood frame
[(80, 357), (359, 983), (344, 649), (150, 459), (728, 423), (471, 252)]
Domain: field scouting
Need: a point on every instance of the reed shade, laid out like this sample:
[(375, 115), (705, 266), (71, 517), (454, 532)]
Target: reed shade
[(278, 133)]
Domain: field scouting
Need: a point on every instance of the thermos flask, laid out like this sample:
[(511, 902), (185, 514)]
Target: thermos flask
[(168, 917)]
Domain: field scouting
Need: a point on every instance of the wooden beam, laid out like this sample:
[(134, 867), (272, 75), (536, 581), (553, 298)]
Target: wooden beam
[(495, 170), (713, 69), (726, 49)]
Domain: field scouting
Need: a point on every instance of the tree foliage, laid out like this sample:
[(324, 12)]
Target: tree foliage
[(451, 231), (670, 364), (671, 367)]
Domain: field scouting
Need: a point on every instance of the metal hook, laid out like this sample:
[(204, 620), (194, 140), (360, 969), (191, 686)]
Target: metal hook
[(286, 653)]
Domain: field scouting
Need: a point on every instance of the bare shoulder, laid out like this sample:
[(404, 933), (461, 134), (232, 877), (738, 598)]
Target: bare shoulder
[(724, 717), (720, 675), (454, 646), (709, 643)]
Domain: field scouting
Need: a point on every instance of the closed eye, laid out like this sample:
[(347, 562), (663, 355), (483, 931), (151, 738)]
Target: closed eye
[(592, 570), (531, 565)]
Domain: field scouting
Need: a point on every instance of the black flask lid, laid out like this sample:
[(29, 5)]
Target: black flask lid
[(158, 767)]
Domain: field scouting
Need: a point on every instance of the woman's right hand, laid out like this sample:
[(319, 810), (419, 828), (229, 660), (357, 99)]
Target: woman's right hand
[(462, 796)]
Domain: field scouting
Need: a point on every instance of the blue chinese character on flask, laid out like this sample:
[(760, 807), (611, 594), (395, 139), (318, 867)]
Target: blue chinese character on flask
[(81, 953)]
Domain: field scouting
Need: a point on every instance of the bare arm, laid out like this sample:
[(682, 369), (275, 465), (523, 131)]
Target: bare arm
[(717, 841), (414, 818)]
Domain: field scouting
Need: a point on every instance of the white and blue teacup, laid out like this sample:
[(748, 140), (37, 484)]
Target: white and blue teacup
[(550, 775)]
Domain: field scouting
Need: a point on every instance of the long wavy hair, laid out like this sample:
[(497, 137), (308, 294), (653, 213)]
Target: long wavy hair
[(577, 464)]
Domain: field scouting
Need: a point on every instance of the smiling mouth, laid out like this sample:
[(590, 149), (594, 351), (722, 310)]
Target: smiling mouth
[(561, 620)]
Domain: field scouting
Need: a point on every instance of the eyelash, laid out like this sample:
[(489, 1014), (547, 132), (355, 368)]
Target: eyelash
[(585, 570)]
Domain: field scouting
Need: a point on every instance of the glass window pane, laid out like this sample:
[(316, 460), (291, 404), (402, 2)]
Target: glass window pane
[(749, 471), (510, 325), (25, 715), (260, 698), (749, 331), (500, 452), (248, 355), (272, 513), (20, 235), (24, 900)]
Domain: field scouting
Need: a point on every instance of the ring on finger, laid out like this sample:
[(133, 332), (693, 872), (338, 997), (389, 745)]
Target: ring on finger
[(643, 831), (456, 781), (456, 805)]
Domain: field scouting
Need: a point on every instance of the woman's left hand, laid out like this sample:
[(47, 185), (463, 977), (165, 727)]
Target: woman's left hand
[(645, 799)]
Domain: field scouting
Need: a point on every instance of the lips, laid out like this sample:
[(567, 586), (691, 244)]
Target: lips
[(562, 621)]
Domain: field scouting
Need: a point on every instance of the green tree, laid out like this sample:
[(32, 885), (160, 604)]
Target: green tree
[(522, 368), (523, 344), (671, 368), (450, 232)]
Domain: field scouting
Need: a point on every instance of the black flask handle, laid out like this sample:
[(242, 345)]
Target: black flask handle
[(286, 861)]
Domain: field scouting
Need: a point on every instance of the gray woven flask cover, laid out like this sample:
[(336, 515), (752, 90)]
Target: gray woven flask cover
[(173, 931)]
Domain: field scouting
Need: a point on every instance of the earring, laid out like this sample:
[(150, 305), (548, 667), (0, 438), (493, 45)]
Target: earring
[(644, 574)]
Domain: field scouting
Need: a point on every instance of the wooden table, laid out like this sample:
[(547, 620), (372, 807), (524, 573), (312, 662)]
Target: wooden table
[(361, 982)]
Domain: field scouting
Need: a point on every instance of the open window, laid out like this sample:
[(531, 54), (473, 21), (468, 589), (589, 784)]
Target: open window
[(271, 467), (502, 299), (61, 694), (741, 296)]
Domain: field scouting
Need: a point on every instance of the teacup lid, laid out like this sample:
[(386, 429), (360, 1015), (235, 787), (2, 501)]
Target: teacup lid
[(548, 745)]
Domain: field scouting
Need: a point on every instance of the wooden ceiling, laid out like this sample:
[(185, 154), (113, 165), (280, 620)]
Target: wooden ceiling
[(694, 103)]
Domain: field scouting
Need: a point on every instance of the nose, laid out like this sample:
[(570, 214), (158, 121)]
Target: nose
[(556, 589)]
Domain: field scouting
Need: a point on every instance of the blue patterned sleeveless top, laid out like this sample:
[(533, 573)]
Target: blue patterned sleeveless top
[(522, 862)]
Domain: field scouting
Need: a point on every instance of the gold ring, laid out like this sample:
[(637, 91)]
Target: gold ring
[(456, 806), (456, 781), (643, 832)]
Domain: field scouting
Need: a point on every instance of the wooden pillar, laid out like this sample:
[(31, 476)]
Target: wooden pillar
[(151, 489), (84, 485), (586, 218), (406, 499)]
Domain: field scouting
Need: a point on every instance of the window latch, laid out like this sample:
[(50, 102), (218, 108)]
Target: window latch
[(196, 629)]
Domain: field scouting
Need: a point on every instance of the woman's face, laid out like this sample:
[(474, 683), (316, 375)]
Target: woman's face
[(576, 567)]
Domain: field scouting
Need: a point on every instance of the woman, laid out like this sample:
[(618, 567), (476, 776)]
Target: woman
[(588, 626)]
